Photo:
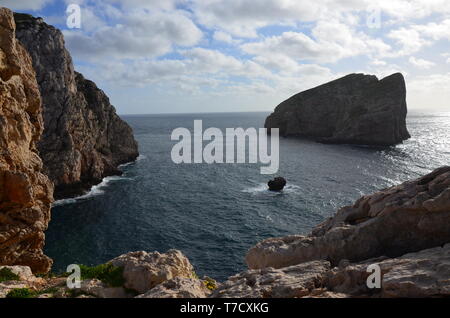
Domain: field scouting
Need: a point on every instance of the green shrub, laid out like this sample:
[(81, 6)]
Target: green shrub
[(21, 293), (7, 275), (210, 283), (107, 273)]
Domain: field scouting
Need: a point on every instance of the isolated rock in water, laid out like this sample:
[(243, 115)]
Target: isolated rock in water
[(355, 109), (25, 192), (179, 287), (84, 139), (142, 271), (406, 218), (277, 184)]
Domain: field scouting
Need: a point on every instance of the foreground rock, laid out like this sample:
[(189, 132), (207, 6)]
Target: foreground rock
[(178, 287), (356, 109), (143, 271), (25, 192), (145, 275), (422, 274), (277, 184), (295, 281), (406, 218), (84, 139)]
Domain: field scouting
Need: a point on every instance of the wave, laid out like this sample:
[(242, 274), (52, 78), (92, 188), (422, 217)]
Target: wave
[(139, 158), (262, 187), (95, 191)]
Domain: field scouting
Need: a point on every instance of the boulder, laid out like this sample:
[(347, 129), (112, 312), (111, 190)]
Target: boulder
[(277, 184), (355, 109), (402, 219), (97, 288), (289, 282), (179, 287), (142, 271)]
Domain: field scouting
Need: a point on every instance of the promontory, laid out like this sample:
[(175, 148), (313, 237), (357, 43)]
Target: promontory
[(356, 109)]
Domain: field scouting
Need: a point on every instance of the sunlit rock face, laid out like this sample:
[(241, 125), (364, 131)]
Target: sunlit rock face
[(25, 192), (355, 109), (84, 139)]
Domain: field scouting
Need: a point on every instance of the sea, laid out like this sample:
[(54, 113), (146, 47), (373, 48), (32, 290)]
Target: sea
[(214, 213)]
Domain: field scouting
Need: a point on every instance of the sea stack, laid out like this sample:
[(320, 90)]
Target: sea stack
[(356, 109), (25, 192), (84, 140), (277, 184)]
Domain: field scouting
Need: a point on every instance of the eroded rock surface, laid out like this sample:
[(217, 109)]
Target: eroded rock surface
[(142, 271), (355, 109), (84, 139), (294, 281), (406, 218), (179, 287), (25, 192)]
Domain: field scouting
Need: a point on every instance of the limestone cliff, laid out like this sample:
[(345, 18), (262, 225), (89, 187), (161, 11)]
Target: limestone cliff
[(84, 139), (356, 109), (25, 192)]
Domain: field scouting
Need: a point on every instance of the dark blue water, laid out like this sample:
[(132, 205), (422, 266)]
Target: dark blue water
[(214, 213)]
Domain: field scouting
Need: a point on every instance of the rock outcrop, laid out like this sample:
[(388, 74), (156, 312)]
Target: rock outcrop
[(84, 139), (402, 219), (25, 192), (145, 275), (142, 271), (356, 109), (422, 274), (277, 184)]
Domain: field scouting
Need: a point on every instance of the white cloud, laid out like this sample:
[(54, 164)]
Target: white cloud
[(225, 37), (436, 31), (429, 91), (25, 4), (410, 40), (331, 42), (140, 35), (421, 63)]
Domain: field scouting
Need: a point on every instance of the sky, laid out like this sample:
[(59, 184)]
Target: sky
[(184, 56)]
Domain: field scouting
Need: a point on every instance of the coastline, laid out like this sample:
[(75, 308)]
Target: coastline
[(96, 189)]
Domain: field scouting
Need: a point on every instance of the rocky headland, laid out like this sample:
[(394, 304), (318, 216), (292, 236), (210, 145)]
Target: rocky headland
[(356, 109), (84, 140), (25, 191)]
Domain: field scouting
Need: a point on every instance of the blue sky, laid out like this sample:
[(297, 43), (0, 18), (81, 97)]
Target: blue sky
[(180, 56)]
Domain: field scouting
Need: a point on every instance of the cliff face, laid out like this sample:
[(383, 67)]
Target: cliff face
[(25, 192), (356, 109), (84, 139)]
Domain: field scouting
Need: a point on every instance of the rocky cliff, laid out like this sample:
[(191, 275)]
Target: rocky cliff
[(25, 192), (84, 139), (355, 109)]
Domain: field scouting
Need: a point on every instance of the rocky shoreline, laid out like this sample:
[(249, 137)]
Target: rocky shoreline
[(404, 230)]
